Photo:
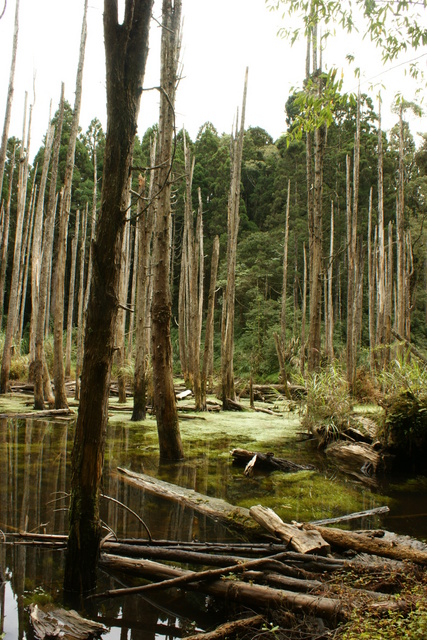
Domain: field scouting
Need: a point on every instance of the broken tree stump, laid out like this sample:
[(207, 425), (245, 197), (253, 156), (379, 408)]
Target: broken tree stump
[(290, 534)]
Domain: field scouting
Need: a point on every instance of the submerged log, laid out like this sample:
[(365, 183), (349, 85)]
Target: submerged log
[(290, 534), (235, 517), (365, 544), (266, 461), (46, 413)]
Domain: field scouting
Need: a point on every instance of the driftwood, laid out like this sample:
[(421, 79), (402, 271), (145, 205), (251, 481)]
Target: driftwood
[(376, 511), (365, 544), (290, 534), (236, 518), (50, 622), (229, 629), (234, 590), (265, 461)]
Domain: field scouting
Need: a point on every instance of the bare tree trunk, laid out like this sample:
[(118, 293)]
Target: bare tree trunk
[(61, 246), (5, 237), (352, 281), (25, 264), (133, 294), (121, 314), (126, 48), (209, 328), (280, 342), (227, 329), (164, 396), (381, 287), (400, 238), (389, 295), (9, 99), (42, 386), (36, 250), (371, 286), (13, 294), (303, 314), (71, 289), (329, 305), (79, 350)]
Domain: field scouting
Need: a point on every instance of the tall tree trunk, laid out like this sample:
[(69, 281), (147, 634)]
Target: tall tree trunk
[(303, 313), (121, 314), (14, 285), (233, 220), (71, 289), (36, 250), (61, 243), (42, 386), (161, 348), (371, 286), (9, 99), (381, 287), (209, 328), (352, 279), (25, 264), (5, 236), (80, 314), (126, 48), (329, 303), (400, 239)]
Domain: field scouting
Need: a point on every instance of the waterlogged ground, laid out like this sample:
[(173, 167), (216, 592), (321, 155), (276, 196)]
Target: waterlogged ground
[(34, 480)]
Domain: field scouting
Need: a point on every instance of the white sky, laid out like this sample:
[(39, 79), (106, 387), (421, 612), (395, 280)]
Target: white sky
[(220, 39)]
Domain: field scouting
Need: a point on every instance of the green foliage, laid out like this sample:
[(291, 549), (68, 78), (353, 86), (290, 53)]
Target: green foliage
[(329, 405)]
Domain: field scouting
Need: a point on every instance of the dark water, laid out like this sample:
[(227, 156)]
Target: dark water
[(34, 479)]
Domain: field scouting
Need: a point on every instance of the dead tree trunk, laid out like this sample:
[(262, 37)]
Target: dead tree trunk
[(209, 328), (161, 348), (80, 296), (61, 244), (233, 219), (9, 99), (13, 295), (71, 289), (371, 285), (329, 305), (381, 277), (126, 48), (5, 236), (42, 387), (400, 238), (36, 250)]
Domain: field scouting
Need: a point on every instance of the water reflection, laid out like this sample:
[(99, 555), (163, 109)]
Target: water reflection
[(34, 480)]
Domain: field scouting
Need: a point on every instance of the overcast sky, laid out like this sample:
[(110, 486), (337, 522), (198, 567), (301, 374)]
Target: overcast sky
[(220, 39)]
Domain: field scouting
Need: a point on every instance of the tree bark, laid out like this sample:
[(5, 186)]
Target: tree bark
[(42, 386), (5, 236), (209, 327), (9, 99), (126, 49), (58, 279), (71, 289), (161, 348), (14, 285), (233, 219)]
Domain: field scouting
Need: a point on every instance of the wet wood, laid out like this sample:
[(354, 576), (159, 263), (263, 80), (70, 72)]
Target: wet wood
[(365, 544), (229, 629), (266, 461), (47, 413), (233, 590), (50, 622), (356, 458), (235, 517), (354, 516), (290, 534)]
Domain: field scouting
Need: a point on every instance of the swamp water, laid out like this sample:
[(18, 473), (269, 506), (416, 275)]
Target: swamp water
[(35, 476)]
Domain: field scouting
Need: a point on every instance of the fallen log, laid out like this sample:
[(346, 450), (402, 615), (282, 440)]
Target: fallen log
[(365, 544), (353, 516), (229, 629), (236, 518), (234, 590), (46, 413), (290, 534), (266, 461)]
